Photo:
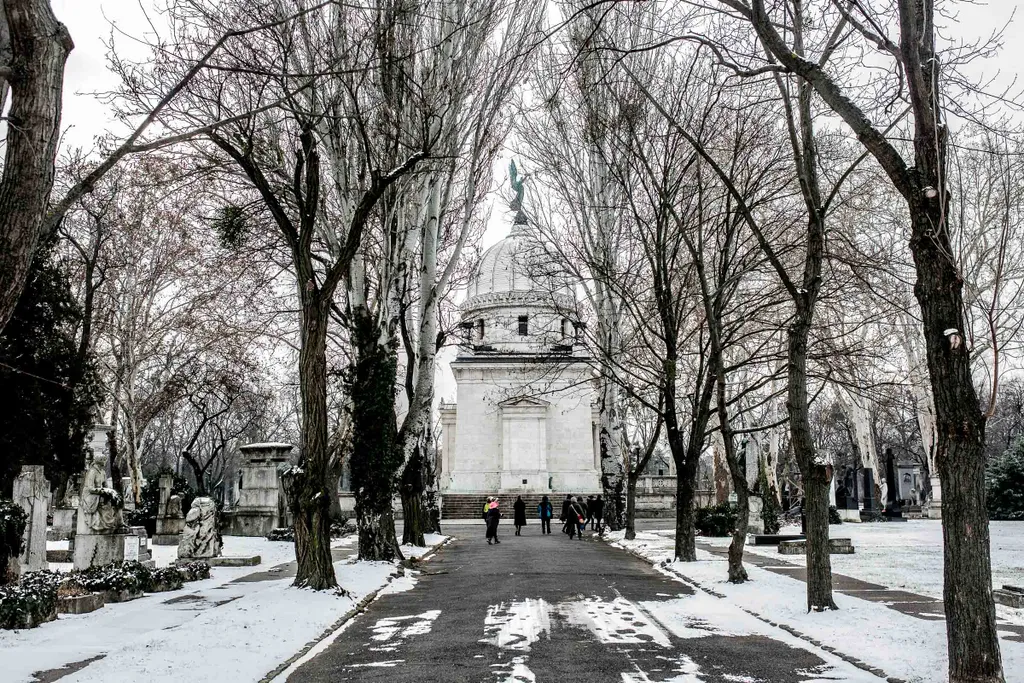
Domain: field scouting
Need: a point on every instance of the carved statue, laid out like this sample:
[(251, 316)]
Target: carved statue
[(173, 506), (99, 506), (517, 186), (200, 539)]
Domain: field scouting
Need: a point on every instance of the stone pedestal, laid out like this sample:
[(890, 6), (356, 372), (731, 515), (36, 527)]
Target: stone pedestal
[(261, 505), (94, 550), (63, 524), (933, 509), (32, 493)]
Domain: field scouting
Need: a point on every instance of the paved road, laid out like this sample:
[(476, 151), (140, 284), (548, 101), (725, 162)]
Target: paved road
[(539, 609)]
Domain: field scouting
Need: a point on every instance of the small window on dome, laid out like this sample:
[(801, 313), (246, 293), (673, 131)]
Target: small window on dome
[(480, 328), (524, 324)]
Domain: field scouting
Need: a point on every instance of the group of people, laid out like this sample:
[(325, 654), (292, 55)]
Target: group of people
[(576, 515)]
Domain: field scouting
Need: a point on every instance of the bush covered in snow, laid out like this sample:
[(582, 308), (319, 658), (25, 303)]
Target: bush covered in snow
[(12, 526), (1005, 495), (31, 602)]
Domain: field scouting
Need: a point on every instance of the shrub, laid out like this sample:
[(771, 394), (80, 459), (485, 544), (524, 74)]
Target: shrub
[(1005, 484), (133, 577), (194, 571), (12, 525), (716, 520), (31, 602), (833, 515), (165, 579)]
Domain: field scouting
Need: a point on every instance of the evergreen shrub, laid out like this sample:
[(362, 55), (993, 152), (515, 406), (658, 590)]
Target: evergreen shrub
[(715, 520), (1005, 484)]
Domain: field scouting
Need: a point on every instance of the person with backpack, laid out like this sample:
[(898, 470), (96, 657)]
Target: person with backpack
[(519, 514), (492, 517), (544, 512), (577, 519)]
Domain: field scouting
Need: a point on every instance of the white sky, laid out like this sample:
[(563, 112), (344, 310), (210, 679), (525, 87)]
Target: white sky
[(92, 22)]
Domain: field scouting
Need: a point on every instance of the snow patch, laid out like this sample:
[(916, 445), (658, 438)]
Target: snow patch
[(393, 630), (517, 625), (617, 622)]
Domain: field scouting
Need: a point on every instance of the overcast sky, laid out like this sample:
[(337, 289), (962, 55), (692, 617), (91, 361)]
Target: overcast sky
[(93, 22)]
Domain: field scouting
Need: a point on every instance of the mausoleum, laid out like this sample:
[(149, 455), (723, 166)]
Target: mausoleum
[(524, 420)]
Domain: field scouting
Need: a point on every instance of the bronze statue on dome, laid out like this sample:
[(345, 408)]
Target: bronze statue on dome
[(518, 187)]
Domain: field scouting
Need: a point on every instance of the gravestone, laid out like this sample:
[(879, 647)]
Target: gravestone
[(32, 493), (870, 511), (261, 506), (200, 539), (100, 531), (755, 525), (169, 520), (893, 508), (128, 493), (65, 513)]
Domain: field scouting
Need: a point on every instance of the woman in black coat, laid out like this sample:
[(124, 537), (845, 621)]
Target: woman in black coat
[(519, 508)]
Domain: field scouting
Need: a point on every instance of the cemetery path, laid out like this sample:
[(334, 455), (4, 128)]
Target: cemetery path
[(540, 609)]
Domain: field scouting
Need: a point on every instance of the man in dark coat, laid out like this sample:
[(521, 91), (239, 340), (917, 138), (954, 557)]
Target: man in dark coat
[(564, 518), (597, 512), (519, 519), (544, 512), (590, 511)]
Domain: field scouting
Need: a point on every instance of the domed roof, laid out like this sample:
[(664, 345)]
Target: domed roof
[(514, 268)]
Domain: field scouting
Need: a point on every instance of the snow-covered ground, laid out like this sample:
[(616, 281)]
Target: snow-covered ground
[(904, 555), (214, 630)]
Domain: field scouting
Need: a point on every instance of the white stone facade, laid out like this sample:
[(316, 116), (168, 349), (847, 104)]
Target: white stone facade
[(523, 420)]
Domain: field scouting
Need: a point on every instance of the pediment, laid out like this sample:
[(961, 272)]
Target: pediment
[(524, 402)]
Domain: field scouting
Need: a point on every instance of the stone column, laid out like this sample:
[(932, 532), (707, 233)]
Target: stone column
[(31, 492)]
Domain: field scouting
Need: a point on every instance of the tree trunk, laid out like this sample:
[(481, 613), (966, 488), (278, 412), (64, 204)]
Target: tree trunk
[(612, 466), (308, 492), (376, 457), (816, 476), (960, 457), (414, 509), (631, 506), (686, 541), (38, 49)]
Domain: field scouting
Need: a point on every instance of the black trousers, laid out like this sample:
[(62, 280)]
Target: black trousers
[(545, 526)]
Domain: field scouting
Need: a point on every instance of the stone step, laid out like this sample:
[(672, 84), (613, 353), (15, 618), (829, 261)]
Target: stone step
[(1009, 596), (836, 546)]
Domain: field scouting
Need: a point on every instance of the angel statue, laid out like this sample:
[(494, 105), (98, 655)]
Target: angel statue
[(517, 187)]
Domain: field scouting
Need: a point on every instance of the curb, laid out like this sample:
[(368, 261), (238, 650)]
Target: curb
[(343, 622), (664, 568)]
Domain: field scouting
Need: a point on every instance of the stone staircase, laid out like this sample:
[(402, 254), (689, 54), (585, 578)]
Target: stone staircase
[(471, 505)]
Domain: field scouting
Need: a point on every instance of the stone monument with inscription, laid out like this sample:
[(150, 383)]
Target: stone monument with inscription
[(100, 531), (32, 494), (261, 505), (169, 520)]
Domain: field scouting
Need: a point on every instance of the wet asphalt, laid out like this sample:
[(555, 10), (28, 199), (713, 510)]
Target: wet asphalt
[(438, 630)]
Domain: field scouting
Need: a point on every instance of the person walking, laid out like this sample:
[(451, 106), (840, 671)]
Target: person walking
[(598, 514), (492, 517), (590, 511), (519, 514), (577, 518), (544, 512), (564, 518)]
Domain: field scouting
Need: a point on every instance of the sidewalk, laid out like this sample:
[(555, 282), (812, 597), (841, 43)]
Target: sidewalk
[(898, 632), (236, 626)]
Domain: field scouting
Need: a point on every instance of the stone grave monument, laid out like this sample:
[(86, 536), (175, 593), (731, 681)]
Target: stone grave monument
[(261, 505), (755, 525), (101, 536), (870, 511), (169, 520), (32, 493), (893, 508), (200, 539), (65, 512)]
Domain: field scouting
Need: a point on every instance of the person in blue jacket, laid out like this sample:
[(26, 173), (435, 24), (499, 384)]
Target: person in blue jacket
[(544, 512)]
